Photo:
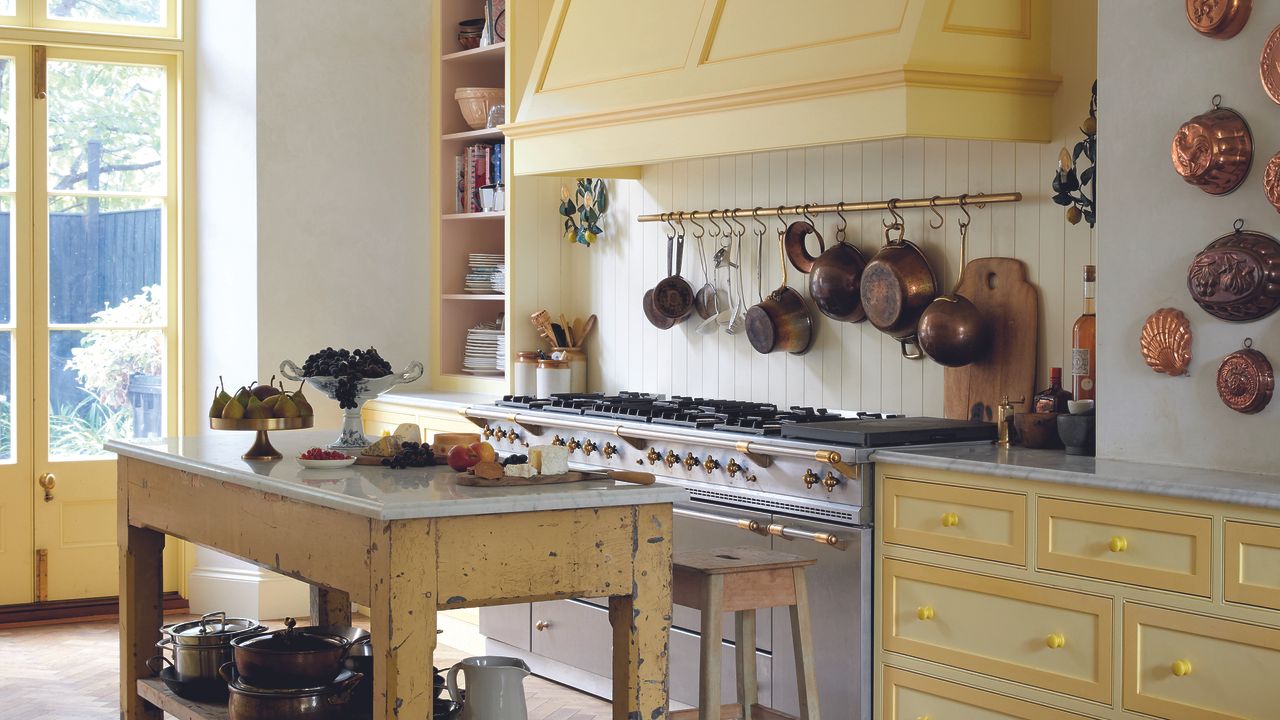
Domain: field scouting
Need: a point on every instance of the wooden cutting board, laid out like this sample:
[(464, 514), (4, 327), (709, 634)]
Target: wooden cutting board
[(999, 288), (571, 476)]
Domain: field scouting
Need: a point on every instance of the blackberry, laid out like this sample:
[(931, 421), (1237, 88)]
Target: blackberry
[(348, 368), (411, 454)]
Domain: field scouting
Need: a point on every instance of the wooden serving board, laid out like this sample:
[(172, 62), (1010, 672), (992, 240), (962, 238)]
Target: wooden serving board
[(999, 288), (569, 477)]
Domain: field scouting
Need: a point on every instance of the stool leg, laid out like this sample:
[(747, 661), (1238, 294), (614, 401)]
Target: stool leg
[(802, 641), (744, 626), (709, 665)]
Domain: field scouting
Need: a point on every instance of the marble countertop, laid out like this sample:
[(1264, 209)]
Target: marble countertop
[(375, 491), (435, 399), (1055, 466)]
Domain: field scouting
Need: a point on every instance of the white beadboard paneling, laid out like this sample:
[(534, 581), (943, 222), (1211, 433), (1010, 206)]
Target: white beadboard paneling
[(850, 366)]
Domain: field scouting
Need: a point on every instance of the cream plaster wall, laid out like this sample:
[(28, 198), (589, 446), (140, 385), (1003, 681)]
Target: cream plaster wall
[(1155, 73)]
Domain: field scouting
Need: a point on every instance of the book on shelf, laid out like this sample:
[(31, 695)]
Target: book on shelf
[(460, 187), (479, 165)]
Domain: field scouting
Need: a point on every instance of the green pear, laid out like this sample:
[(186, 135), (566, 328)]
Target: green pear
[(215, 410), (243, 395), (271, 401), (255, 410), (285, 407), (304, 407), (234, 410)]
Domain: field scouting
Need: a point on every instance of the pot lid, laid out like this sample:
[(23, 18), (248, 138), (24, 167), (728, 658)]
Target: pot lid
[(211, 629), (292, 640), (238, 684)]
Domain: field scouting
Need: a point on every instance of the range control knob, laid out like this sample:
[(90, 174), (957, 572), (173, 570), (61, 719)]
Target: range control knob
[(573, 445), (557, 440), (589, 447), (609, 450), (830, 481), (710, 464), (670, 459), (690, 462), (810, 478), (513, 436), (488, 432), (652, 456)]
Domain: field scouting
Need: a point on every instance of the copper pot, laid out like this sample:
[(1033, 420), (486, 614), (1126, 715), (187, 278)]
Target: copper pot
[(835, 275), (1237, 276), (290, 658), (952, 331), (326, 701), (897, 285), (1213, 151), (780, 322), (673, 296)]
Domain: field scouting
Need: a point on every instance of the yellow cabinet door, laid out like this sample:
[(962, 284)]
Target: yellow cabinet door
[(1251, 571), (986, 524), (909, 696), (1182, 666), (1155, 549), (1055, 639)]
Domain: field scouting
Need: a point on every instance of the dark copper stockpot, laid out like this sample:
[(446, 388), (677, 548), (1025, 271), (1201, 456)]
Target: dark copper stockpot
[(897, 285), (952, 331), (780, 322), (1237, 276), (290, 658), (835, 275), (327, 701), (1214, 150)]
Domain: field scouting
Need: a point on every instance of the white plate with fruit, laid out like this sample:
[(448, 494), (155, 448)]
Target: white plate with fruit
[(319, 459)]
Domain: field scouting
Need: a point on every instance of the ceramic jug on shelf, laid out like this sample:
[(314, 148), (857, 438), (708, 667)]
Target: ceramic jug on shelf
[(495, 688)]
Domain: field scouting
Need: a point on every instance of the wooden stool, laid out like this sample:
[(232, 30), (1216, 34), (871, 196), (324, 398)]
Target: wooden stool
[(742, 580)]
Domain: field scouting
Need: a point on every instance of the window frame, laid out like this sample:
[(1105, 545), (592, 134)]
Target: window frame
[(34, 14)]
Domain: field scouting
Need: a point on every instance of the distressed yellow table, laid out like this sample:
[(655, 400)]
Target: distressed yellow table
[(405, 543)]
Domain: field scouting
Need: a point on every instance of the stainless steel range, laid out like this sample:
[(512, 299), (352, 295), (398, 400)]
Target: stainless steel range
[(797, 479)]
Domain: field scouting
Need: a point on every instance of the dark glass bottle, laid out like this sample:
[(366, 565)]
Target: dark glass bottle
[(1053, 399)]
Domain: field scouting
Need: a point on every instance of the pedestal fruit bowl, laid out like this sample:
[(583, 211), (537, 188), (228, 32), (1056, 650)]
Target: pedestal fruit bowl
[(350, 390)]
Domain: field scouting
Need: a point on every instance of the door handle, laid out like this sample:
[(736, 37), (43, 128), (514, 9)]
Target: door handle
[(48, 481)]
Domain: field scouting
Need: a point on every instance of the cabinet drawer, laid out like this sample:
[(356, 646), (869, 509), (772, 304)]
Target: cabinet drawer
[(1055, 639), (987, 524), (1182, 666), (1149, 548), (909, 696), (1252, 567)]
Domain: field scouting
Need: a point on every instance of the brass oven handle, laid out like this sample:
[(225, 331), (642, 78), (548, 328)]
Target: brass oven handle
[(774, 529), (789, 533)]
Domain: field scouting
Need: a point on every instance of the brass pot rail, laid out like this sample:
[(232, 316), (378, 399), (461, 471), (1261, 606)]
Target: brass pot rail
[(761, 453), (775, 529), (975, 200)]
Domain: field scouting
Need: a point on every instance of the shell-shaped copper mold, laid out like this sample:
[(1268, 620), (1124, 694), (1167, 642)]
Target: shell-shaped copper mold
[(1246, 380), (1166, 341), (1218, 19), (1237, 276), (1213, 151)]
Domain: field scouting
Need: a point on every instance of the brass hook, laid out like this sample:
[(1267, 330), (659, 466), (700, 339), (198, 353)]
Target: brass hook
[(893, 210), (964, 223), (714, 230), (840, 214), (728, 228), (680, 220), (782, 210), (804, 210), (933, 205), (698, 230), (755, 215), (671, 231), (742, 229)]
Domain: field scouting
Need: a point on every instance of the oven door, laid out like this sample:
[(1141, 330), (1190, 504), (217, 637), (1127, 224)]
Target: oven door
[(839, 586)]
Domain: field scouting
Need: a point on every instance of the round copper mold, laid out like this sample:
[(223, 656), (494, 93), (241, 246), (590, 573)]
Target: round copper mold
[(1218, 19), (1214, 150), (1237, 276), (1269, 65), (1166, 341), (1246, 380), (1271, 181)]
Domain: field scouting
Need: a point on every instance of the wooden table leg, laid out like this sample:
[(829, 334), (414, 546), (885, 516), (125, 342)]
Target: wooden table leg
[(330, 607), (403, 622), (141, 609), (642, 622)]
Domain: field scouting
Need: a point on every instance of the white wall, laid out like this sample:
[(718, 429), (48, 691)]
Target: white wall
[(1155, 73)]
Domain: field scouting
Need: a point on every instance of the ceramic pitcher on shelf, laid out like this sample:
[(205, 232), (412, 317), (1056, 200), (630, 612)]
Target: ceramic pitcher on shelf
[(495, 688)]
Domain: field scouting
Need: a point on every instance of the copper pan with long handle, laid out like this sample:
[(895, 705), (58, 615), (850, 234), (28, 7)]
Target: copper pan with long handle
[(952, 330), (835, 274)]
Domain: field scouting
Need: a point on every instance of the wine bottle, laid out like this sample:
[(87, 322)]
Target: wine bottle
[(1052, 399), (1084, 356)]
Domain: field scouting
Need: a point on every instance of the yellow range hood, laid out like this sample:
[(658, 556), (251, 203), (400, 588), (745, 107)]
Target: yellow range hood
[(606, 83)]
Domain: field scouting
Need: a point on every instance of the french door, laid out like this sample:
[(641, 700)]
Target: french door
[(88, 341)]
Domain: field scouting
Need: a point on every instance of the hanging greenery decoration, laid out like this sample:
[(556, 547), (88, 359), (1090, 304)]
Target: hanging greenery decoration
[(584, 210), (1079, 193)]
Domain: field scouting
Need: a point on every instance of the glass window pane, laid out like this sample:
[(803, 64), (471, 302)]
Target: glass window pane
[(6, 397), (103, 384), (123, 12), (7, 7), (7, 225), (105, 261), (6, 121), (106, 127)]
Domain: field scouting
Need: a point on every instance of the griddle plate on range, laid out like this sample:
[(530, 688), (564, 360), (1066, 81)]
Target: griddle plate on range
[(892, 431)]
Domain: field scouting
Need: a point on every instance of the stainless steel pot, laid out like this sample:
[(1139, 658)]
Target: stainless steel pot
[(324, 702), (197, 648)]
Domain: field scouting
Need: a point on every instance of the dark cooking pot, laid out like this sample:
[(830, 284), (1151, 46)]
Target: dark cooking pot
[(952, 330), (673, 296), (290, 658), (897, 285), (780, 322), (835, 275), (323, 702)]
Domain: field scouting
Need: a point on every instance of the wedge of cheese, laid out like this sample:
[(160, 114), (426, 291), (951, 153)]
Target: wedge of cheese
[(408, 432), (523, 470), (386, 446), (549, 459)]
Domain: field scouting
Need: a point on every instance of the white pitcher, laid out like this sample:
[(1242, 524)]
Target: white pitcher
[(495, 688)]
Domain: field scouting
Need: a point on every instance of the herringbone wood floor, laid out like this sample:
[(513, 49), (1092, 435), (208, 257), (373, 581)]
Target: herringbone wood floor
[(70, 672)]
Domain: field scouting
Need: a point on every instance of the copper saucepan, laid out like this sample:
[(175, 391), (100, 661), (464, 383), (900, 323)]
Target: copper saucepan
[(897, 285), (952, 331), (835, 275), (673, 296), (780, 322)]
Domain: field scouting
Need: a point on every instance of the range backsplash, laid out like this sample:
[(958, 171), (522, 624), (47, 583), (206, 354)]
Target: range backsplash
[(851, 366)]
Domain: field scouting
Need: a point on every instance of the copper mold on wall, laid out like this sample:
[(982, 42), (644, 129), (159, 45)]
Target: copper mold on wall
[(1246, 380), (1237, 276), (1213, 150), (1269, 65), (1218, 19), (1166, 341)]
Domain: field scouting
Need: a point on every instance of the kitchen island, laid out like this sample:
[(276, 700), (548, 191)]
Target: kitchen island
[(404, 543)]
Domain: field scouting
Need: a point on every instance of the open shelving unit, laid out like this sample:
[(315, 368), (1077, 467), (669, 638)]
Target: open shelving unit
[(457, 235)]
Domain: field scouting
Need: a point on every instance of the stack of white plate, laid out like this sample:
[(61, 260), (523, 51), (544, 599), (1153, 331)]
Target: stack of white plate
[(486, 274), (486, 350)]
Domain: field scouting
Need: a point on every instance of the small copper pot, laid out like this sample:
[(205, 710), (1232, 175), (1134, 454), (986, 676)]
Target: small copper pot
[(781, 322), (952, 330), (1213, 151), (1237, 276), (1218, 19), (897, 285), (835, 275)]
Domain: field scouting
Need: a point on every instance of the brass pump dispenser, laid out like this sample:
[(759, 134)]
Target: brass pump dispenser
[(1004, 416)]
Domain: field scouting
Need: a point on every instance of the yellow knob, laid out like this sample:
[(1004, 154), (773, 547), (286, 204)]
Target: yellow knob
[(1118, 544), (922, 717), (1181, 668), (924, 612), (1055, 641), (950, 519)]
